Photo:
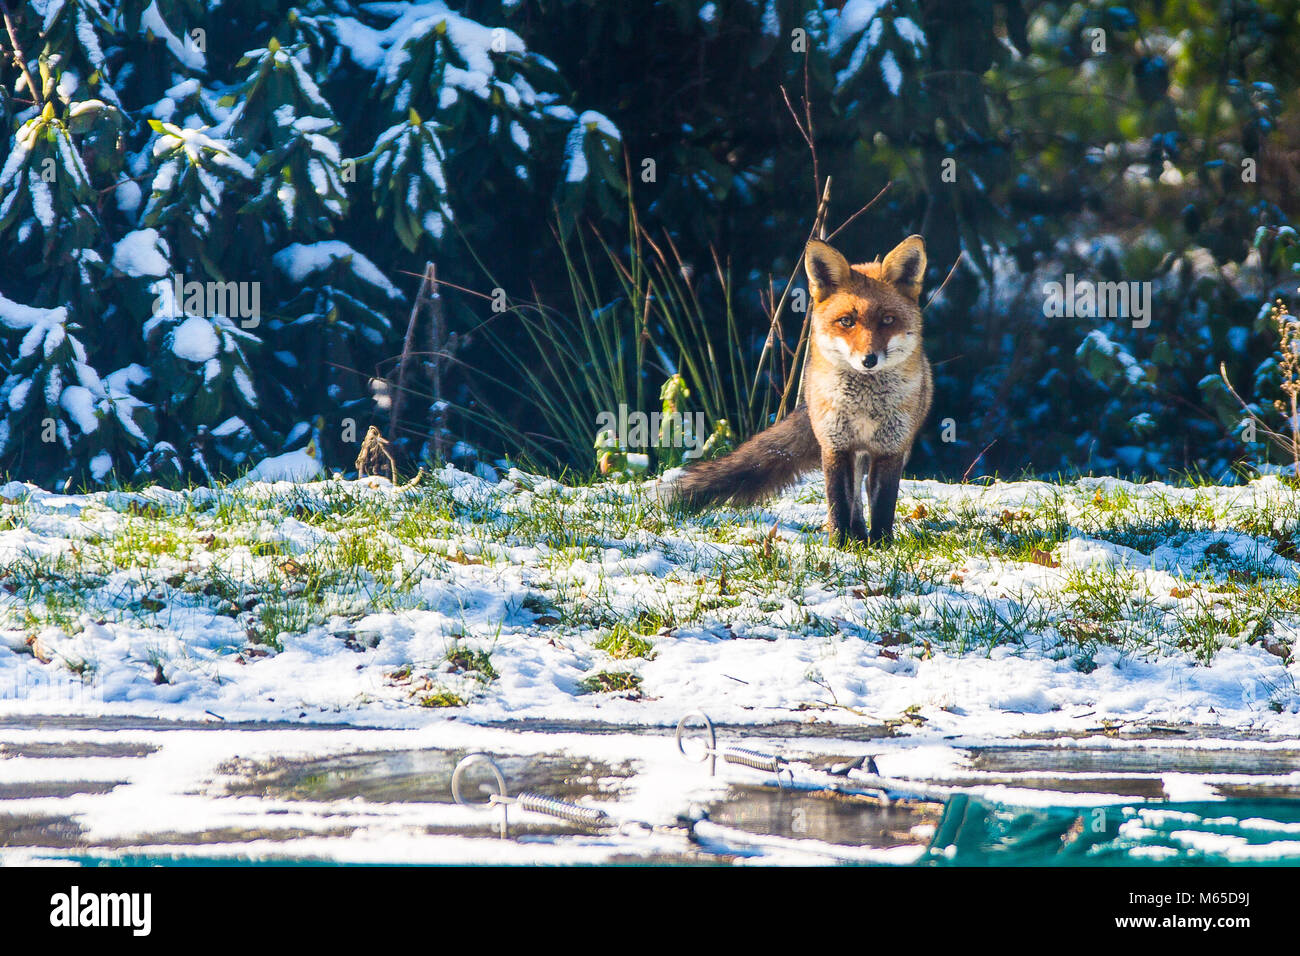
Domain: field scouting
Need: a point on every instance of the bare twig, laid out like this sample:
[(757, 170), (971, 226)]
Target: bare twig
[(819, 230), (966, 473), (437, 335), (1288, 445), (935, 294), (20, 58), (846, 222), (408, 342), (449, 285)]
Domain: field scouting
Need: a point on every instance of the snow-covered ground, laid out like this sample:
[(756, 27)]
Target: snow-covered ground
[(1010, 608), (449, 614)]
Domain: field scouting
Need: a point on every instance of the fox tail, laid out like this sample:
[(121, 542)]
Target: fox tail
[(769, 462)]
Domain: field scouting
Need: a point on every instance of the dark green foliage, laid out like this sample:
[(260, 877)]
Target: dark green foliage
[(323, 151)]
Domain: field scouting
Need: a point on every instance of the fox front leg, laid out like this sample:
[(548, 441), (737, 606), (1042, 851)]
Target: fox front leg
[(882, 492), (838, 467), (857, 520)]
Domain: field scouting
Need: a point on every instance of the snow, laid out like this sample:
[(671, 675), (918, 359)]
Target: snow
[(42, 202), (187, 53), (24, 139), (199, 148), (89, 40), (18, 394), (194, 340), (128, 196), (245, 386), (750, 662), (79, 403), (866, 21), (851, 21), (141, 253), (299, 260), (101, 465), (386, 51), (890, 72), (16, 316), (520, 136), (67, 85), (757, 668), (592, 120), (294, 466), (907, 29), (231, 426), (575, 155)]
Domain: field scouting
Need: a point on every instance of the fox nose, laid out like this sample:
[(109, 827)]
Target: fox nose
[(871, 360)]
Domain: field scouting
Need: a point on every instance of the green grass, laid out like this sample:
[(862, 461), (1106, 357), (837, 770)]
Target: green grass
[(441, 697), (608, 682), (476, 663), (621, 643), (605, 570)]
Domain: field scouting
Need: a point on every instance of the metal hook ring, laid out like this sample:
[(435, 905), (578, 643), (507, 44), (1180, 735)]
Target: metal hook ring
[(467, 762), (708, 726)]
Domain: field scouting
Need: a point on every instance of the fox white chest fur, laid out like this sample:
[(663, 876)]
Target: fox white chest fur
[(875, 413)]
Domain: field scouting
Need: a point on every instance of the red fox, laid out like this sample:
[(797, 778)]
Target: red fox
[(867, 390)]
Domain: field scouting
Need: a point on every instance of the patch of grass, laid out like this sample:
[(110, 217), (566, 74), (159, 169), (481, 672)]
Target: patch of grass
[(476, 663), (606, 682), (365, 551), (985, 623), (621, 643), (144, 544), (1107, 605), (441, 697), (269, 549)]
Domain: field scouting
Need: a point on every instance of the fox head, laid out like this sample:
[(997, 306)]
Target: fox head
[(866, 317)]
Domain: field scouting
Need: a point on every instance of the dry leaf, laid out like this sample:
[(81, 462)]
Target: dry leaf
[(39, 650), (1277, 648), (868, 591), (1039, 556)]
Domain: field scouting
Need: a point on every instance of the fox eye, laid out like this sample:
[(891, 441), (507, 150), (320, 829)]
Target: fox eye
[(887, 320), (845, 321)]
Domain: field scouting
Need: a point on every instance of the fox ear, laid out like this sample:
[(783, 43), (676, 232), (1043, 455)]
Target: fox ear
[(827, 269), (904, 267)]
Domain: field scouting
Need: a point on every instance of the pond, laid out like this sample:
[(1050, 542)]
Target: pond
[(145, 792)]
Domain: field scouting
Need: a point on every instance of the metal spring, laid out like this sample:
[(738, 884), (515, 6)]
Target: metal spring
[(583, 816), (497, 797), (869, 779), (754, 759), (769, 763)]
